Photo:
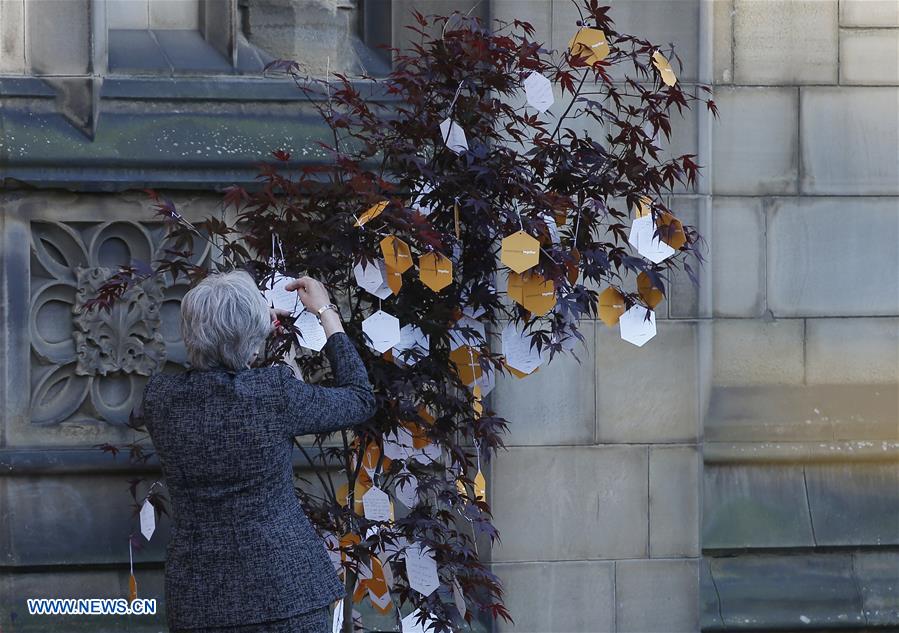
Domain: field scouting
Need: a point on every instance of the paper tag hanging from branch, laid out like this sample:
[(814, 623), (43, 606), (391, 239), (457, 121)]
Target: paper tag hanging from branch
[(453, 136), (664, 67)]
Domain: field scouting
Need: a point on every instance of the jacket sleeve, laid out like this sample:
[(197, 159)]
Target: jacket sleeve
[(316, 409)]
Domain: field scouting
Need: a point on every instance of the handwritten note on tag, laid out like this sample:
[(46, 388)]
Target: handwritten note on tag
[(312, 334), (147, 519), (453, 136), (280, 299), (421, 569), (539, 92), (376, 505)]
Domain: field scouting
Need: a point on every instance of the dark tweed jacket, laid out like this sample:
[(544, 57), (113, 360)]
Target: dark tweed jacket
[(242, 550)]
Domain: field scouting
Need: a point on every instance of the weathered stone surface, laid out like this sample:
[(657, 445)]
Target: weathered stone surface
[(556, 405), (709, 606), (537, 12), (98, 519), (583, 505), (869, 13), (174, 14), (755, 143), (647, 394), (685, 299), (723, 41), (127, 14), (737, 258), (657, 595), (559, 596), (850, 159), (803, 413), (674, 501), (755, 506), (59, 37), (674, 21), (877, 572), (859, 350), (809, 270), (869, 56), (769, 50), (781, 591), (756, 352), (854, 504), (12, 36), (16, 587)]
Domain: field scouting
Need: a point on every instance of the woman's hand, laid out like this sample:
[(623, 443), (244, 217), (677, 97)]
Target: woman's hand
[(315, 296), (277, 314), (312, 292)]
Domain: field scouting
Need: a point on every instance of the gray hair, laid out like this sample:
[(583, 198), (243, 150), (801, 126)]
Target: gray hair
[(224, 321)]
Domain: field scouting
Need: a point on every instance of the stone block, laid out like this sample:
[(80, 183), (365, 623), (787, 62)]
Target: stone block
[(869, 56), (756, 352), (768, 47), (647, 394), (877, 580), (854, 503), (833, 257), (685, 299), (674, 491), (537, 12), (822, 415), (174, 14), (559, 596), (737, 258), (869, 13), (723, 41), (755, 506), (657, 595), (783, 592), (556, 405), (843, 159), (12, 37), (755, 142), (17, 587), (710, 607), (672, 21), (98, 518), (859, 350), (59, 36), (570, 503), (128, 14)]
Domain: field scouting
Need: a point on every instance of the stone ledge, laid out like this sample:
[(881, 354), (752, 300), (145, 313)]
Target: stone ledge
[(851, 590), (800, 452), (803, 413)]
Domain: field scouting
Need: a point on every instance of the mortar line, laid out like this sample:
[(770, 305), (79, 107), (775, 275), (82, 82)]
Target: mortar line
[(808, 505)]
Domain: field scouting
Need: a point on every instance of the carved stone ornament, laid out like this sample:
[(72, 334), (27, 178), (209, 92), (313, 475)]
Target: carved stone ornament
[(92, 366)]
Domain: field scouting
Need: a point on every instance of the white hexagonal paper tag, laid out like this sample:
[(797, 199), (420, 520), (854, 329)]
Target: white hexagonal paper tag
[(539, 91), (636, 328), (312, 334), (518, 351), (383, 331), (421, 569)]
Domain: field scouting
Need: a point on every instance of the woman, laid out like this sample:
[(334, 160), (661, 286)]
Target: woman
[(243, 557)]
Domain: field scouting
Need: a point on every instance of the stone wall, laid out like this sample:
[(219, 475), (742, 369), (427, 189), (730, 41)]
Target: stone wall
[(753, 487), (598, 497), (801, 448), (783, 367)]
